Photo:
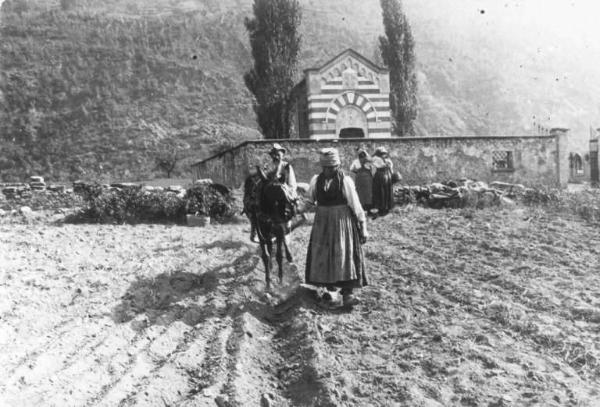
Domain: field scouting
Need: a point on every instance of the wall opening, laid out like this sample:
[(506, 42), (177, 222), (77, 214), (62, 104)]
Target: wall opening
[(503, 161), (352, 132), (349, 117), (576, 164)]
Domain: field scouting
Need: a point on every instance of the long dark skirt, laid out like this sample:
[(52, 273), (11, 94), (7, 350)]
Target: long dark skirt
[(335, 255), (364, 187), (383, 195)]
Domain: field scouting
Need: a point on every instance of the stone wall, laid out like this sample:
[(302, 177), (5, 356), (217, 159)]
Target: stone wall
[(537, 160)]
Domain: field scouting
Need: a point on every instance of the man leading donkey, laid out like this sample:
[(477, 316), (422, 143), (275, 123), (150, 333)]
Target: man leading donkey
[(270, 203)]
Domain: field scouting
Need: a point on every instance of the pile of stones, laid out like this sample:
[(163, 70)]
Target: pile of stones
[(459, 194)]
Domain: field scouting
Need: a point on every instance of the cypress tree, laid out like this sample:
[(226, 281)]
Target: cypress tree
[(397, 52), (275, 44)]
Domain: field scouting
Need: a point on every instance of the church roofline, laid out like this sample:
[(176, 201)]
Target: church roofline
[(355, 54)]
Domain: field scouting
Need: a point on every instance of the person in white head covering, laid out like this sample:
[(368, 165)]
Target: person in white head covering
[(335, 256)]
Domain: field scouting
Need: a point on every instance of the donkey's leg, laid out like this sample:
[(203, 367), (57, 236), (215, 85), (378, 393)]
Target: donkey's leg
[(279, 255), (252, 231), (265, 248), (270, 251), (286, 246)]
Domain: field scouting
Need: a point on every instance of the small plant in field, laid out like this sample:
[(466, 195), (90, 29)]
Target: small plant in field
[(540, 196), (585, 204), (208, 201)]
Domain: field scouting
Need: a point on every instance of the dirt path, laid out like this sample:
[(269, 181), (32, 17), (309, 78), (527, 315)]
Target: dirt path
[(466, 308)]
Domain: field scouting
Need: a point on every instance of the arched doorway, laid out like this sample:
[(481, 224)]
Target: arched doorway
[(352, 121), (576, 166)]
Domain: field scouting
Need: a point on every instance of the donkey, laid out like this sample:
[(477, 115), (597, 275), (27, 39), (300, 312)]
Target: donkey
[(274, 210)]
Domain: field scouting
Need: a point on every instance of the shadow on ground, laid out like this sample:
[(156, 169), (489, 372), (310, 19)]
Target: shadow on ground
[(225, 290), (193, 297)]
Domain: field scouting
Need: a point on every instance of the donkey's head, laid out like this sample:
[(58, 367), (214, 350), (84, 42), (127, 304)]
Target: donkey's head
[(274, 202)]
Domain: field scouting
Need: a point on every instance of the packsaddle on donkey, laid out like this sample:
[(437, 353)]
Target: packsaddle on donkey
[(273, 209)]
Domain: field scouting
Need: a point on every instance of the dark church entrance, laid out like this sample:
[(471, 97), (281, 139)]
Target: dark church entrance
[(352, 132)]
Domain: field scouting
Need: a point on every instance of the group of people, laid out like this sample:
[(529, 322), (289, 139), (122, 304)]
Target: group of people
[(334, 257), (374, 180)]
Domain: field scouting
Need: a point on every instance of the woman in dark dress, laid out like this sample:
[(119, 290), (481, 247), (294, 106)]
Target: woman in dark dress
[(383, 196), (364, 170)]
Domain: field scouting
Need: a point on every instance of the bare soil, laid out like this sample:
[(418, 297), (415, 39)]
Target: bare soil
[(466, 308)]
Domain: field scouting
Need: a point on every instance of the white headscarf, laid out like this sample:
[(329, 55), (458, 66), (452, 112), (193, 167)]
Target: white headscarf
[(329, 157)]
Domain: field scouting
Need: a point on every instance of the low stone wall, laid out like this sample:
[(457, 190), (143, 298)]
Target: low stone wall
[(537, 160)]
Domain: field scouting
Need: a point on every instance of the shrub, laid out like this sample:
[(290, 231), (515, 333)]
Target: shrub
[(585, 204), (209, 201), (133, 205), (540, 196)]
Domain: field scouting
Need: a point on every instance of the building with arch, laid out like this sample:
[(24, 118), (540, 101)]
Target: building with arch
[(345, 104), (347, 97)]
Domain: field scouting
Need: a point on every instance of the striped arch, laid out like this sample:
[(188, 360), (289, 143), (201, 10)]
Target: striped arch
[(354, 99)]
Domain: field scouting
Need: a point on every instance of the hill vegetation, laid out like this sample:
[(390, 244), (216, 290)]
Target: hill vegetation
[(87, 93), (99, 89)]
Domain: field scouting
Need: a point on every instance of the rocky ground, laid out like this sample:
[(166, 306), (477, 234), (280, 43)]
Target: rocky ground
[(499, 307)]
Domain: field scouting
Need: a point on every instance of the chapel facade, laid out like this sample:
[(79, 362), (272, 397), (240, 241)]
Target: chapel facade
[(347, 97)]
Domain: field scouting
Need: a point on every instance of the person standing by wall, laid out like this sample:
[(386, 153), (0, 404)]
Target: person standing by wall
[(383, 196), (335, 256), (364, 170)]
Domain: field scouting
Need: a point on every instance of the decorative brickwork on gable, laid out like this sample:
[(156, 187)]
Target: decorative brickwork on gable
[(349, 96)]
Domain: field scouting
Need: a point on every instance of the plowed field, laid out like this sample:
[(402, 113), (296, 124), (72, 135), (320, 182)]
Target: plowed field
[(466, 308)]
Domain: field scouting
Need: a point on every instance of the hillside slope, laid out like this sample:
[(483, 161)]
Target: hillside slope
[(88, 90)]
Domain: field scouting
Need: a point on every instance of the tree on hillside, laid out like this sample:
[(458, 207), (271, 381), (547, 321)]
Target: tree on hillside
[(397, 51), (167, 155), (275, 43), (165, 144)]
